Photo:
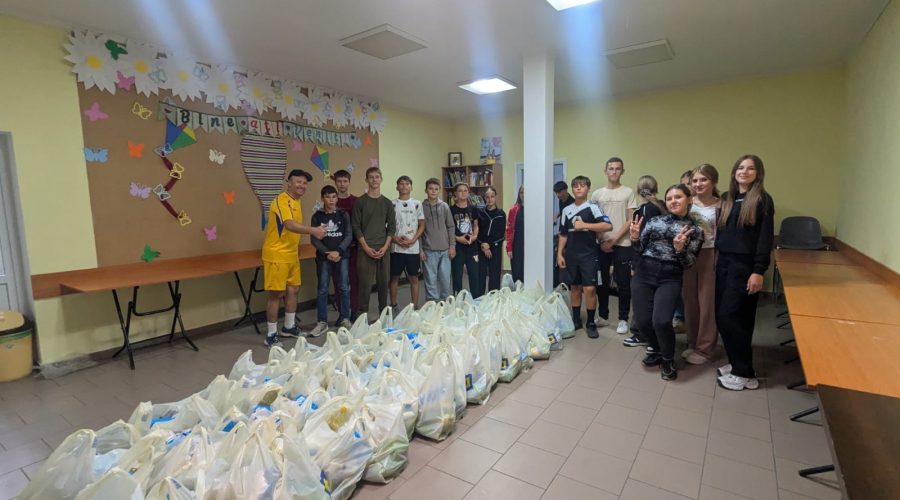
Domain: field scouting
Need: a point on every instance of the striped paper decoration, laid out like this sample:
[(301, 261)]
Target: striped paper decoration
[(264, 160)]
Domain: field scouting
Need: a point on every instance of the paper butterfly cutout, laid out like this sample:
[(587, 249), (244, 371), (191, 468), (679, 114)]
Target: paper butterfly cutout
[(158, 76), (350, 167), (248, 108), (124, 82), (317, 206), (161, 193), (298, 146), (239, 80), (149, 254), (96, 155), (177, 171), (229, 197), (163, 151), (93, 113), (210, 233), (141, 111), (368, 140), (183, 218), (135, 150), (216, 156), (139, 190), (201, 72), (115, 49), (221, 103), (373, 162)]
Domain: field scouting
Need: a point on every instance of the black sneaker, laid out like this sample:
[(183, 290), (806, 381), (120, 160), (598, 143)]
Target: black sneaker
[(293, 332), (652, 359), (649, 349), (577, 323), (591, 330), (669, 372), (272, 341), (634, 341)]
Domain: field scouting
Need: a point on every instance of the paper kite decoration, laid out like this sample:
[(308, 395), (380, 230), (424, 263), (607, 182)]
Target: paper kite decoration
[(264, 160), (319, 157), (179, 136)]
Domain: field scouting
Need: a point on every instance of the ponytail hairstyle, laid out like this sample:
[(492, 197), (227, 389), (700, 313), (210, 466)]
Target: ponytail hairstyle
[(647, 189), (755, 195), (710, 172)]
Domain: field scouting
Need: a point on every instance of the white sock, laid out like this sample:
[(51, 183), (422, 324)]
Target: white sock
[(272, 329), (289, 320)]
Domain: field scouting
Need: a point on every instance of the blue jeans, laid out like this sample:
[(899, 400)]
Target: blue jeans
[(340, 269), (437, 274)]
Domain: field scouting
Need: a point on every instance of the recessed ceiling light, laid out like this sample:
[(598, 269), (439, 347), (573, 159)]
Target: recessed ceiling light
[(567, 4), (490, 85), (383, 42)]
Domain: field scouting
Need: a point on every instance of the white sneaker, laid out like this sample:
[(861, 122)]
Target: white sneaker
[(622, 329), (600, 321), (734, 383), (724, 370), (345, 323), (687, 352), (321, 327), (696, 358)]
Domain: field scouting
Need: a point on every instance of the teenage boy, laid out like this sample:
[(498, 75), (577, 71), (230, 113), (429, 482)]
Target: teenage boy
[(466, 219), (281, 255), (561, 190), (618, 203), (373, 224), (331, 260), (345, 202), (405, 247), (438, 242), (579, 225)]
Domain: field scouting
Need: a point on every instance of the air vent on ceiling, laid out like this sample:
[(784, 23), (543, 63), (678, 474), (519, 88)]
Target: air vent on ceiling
[(383, 42), (640, 54)]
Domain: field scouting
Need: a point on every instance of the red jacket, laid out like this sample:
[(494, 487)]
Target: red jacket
[(511, 226)]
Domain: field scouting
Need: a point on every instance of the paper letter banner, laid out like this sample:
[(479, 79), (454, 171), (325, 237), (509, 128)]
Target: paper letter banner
[(252, 125), (264, 160)]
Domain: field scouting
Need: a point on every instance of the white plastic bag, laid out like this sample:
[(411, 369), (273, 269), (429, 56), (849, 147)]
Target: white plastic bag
[(66, 472), (437, 409), (389, 440), (245, 367), (301, 478), (170, 489), (116, 484)]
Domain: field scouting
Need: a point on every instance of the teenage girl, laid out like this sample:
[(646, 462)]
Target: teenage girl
[(515, 237), (667, 246), (699, 290), (466, 220), (492, 225), (646, 189), (746, 230)]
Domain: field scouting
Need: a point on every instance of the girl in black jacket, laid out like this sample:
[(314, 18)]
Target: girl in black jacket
[(492, 232), (746, 231)]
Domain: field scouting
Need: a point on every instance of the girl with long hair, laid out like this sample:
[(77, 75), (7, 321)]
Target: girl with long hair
[(646, 190), (745, 233), (492, 224), (515, 237)]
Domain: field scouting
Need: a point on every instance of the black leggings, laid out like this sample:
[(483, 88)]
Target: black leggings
[(736, 311), (656, 288), (466, 255), (620, 260), (489, 269)]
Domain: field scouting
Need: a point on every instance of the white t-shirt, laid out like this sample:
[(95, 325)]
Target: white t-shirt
[(409, 213), (615, 204), (706, 218)]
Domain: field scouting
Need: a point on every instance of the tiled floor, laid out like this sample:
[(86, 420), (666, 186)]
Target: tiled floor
[(590, 423)]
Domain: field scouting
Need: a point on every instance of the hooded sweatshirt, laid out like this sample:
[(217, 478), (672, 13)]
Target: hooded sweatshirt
[(439, 226)]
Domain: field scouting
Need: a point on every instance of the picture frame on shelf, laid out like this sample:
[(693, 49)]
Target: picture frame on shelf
[(454, 159)]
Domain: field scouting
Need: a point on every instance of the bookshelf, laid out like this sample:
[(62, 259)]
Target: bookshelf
[(478, 177)]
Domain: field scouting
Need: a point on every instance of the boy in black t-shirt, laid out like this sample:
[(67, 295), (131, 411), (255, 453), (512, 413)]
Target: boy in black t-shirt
[(331, 257), (577, 256)]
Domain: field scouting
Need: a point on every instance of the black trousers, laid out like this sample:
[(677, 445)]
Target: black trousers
[(466, 255), (656, 288), (736, 310), (489, 269), (620, 260)]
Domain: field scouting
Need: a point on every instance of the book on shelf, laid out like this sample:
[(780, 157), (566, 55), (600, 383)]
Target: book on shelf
[(454, 177), (482, 178)]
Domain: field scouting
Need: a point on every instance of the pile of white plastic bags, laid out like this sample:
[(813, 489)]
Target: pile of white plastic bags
[(314, 421)]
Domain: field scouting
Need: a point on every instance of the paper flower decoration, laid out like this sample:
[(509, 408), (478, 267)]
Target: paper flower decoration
[(257, 91), (340, 109), (92, 62), (359, 114), (377, 119), (221, 90), (182, 76), (288, 100), (316, 114), (140, 62)]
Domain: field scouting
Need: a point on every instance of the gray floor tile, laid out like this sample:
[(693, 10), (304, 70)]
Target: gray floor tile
[(498, 485), (534, 395), (624, 418), (708, 492), (636, 490), (530, 464), (437, 484), (465, 460), (551, 380), (824, 486), (675, 444), (569, 415), (612, 441), (493, 434), (377, 491), (741, 424), (686, 400), (682, 420), (551, 437), (741, 449), (597, 469), (418, 456), (515, 413), (582, 396), (742, 479), (633, 398), (668, 473), (564, 488), (12, 483)]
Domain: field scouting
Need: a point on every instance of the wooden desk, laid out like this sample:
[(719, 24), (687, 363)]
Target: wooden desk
[(839, 292), (849, 354), (813, 257), (103, 279), (865, 444)]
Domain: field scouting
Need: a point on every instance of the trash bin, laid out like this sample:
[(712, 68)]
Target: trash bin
[(15, 346)]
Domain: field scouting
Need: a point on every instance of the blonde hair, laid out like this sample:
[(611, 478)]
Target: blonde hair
[(710, 172), (647, 189)]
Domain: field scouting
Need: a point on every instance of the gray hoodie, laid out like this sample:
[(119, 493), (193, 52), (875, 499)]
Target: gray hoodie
[(439, 227)]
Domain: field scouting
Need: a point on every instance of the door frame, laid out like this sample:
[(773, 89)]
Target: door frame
[(16, 224)]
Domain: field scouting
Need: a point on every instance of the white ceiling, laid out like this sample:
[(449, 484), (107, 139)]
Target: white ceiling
[(713, 40)]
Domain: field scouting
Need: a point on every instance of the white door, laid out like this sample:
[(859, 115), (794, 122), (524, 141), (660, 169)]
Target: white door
[(11, 271)]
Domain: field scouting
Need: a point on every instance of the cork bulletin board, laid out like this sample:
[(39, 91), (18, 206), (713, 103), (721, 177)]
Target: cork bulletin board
[(177, 176)]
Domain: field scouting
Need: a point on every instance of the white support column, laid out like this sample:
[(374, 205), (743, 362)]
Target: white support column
[(537, 91)]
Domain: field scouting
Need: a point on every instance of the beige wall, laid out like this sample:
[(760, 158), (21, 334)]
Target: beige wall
[(871, 167)]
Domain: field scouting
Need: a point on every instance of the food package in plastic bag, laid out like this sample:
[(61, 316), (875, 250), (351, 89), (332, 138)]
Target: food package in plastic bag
[(66, 472), (394, 385), (390, 443), (260, 398), (189, 455), (117, 484), (174, 417), (117, 435), (140, 460), (245, 367), (549, 325), (301, 478), (437, 407), (253, 473), (477, 369), (563, 305), (408, 319), (512, 352), (223, 393), (506, 281), (170, 489)]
